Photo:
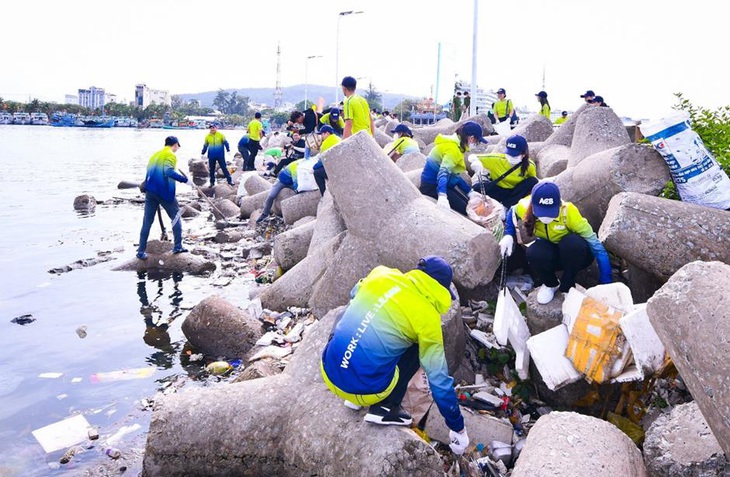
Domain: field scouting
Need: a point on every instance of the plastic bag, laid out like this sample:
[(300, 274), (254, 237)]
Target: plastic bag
[(697, 175), (488, 213), (510, 325), (305, 175), (503, 128)]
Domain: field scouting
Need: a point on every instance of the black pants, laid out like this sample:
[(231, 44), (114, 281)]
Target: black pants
[(571, 255), (408, 364), (457, 198), (320, 177), (250, 161), (507, 197), (282, 164), (244, 153)]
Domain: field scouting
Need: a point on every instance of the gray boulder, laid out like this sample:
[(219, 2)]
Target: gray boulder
[(596, 130), (329, 222), (536, 128), (564, 134), (551, 160), (84, 203), (225, 209), (160, 257), (291, 247), (691, 315), (300, 205), (411, 162)]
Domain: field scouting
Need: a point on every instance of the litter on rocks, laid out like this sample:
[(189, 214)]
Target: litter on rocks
[(62, 434)]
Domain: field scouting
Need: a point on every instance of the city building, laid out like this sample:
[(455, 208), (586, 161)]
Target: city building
[(92, 98), (71, 99), (144, 96)]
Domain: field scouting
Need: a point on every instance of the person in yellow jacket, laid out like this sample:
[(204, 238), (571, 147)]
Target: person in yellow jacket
[(503, 109), (506, 177), (329, 139), (333, 118), (390, 328), (404, 142), (564, 240), (544, 104), (255, 132), (563, 117), (356, 110), (441, 176)]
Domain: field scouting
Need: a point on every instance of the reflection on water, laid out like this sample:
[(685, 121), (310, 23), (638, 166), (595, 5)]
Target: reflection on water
[(156, 332)]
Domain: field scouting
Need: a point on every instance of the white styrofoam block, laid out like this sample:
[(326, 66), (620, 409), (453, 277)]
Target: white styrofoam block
[(646, 346), (547, 350), (571, 307), (616, 295)]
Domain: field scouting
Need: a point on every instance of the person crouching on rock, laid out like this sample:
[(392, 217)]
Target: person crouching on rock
[(564, 240), (507, 177), (390, 328), (160, 191), (441, 176)]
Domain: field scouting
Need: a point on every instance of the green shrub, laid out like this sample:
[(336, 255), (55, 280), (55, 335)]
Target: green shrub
[(713, 126)]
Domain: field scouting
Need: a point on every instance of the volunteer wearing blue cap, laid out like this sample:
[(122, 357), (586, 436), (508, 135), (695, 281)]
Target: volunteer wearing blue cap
[(505, 177), (544, 104), (390, 328), (404, 142), (588, 96), (564, 240), (441, 176), (329, 139), (214, 145), (333, 118)]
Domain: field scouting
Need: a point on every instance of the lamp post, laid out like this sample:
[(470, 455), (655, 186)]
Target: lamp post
[(337, 53), (306, 68)]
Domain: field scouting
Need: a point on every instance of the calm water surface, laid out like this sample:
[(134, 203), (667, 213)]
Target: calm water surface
[(44, 169)]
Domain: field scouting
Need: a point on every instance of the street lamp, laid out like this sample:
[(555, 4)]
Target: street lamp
[(337, 54), (306, 68)]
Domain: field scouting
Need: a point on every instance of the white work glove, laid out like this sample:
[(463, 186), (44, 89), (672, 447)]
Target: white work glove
[(505, 245), (476, 164), (459, 441), (443, 202)]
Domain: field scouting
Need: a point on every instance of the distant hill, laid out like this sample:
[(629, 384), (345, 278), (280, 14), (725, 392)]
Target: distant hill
[(290, 94)]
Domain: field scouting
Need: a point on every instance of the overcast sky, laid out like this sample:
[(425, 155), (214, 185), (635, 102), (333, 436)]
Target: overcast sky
[(635, 54)]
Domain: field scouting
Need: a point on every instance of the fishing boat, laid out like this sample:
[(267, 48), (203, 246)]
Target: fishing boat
[(21, 118), (6, 118), (98, 121), (39, 119)]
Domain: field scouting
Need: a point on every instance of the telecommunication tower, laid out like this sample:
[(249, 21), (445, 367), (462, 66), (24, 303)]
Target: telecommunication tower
[(277, 92)]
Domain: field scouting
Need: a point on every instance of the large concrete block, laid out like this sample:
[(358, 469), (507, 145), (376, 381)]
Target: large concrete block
[(414, 177), (660, 235), (161, 258), (381, 138), (569, 444), (291, 247), (300, 205), (551, 160), (691, 315), (680, 444), (411, 162), (329, 222), (225, 209), (196, 434), (220, 330), (254, 184), (428, 134), (596, 130), (250, 203), (563, 135), (536, 128), (594, 181)]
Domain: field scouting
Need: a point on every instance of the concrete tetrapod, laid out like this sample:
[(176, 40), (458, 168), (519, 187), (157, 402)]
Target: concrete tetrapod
[(291, 247), (568, 444), (594, 181), (286, 425), (392, 224), (596, 130), (563, 135), (691, 315), (661, 235)]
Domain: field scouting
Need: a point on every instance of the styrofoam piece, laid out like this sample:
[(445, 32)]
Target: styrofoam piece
[(632, 373), (501, 325), (647, 348), (484, 338), (488, 398), (616, 295), (510, 326), (571, 307), (547, 350), (62, 434)]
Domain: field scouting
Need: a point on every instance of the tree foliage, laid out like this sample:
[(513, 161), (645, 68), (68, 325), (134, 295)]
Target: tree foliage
[(713, 127), (375, 99)]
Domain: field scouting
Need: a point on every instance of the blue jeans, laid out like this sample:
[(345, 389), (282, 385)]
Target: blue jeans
[(273, 194), (151, 202), (221, 161)]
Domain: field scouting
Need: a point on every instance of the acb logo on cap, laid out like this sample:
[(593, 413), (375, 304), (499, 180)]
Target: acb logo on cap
[(545, 201)]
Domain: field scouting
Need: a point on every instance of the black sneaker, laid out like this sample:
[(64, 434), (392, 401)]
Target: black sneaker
[(179, 250), (386, 417), (262, 218)]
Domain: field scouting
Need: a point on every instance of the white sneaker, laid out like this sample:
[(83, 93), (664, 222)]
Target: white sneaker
[(352, 405), (546, 294)]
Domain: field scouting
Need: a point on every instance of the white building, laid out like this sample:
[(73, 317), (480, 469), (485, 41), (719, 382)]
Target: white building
[(71, 99), (144, 96), (92, 98)]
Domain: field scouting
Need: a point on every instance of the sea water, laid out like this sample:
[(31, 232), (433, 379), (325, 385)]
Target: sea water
[(44, 169)]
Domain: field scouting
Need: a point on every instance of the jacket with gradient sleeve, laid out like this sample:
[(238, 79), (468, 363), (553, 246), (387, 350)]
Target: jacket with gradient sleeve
[(445, 164), (214, 144), (161, 174), (389, 312)]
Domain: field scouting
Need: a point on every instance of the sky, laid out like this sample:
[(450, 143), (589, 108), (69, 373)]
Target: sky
[(636, 54)]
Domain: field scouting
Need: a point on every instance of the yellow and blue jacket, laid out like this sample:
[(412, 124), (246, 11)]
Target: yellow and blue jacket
[(161, 174), (497, 164), (444, 165), (214, 144), (389, 312)]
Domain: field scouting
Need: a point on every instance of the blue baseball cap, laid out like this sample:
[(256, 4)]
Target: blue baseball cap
[(326, 128), (516, 145), (546, 199), (438, 269), (402, 128), (334, 114), (471, 128), (171, 141)]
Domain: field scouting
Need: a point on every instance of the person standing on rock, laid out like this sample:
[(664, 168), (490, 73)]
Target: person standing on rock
[(390, 328), (563, 240), (456, 107), (255, 131), (441, 176), (160, 192), (502, 109), (356, 110), (214, 144), (509, 177), (544, 104)]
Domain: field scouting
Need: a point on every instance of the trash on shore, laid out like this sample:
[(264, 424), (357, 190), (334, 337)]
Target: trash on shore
[(62, 434), (122, 375)]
